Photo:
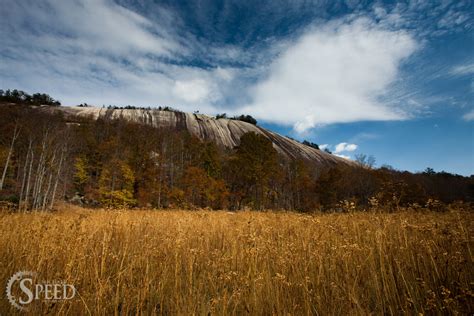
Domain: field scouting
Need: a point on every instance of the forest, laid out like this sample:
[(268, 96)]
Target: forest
[(45, 158)]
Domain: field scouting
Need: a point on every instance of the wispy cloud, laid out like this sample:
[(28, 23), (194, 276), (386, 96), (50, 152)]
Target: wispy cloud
[(467, 69), (290, 64)]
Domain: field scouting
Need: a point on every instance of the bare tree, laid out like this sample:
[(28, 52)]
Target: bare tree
[(365, 161), (16, 133)]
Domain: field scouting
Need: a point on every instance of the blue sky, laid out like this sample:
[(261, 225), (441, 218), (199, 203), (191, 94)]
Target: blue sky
[(389, 79)]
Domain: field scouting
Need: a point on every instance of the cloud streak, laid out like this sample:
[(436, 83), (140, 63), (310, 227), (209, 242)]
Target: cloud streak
[(461, 70)]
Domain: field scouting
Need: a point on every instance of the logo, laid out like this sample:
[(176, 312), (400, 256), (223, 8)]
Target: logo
[(23, 289)]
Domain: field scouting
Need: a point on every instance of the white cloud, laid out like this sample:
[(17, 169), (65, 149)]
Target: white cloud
[(469, 116), (323, 146), (333, 74), (341, 147), (196, 90), (306, 123)]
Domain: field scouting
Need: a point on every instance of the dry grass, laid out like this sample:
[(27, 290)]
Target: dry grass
[(178, 262)]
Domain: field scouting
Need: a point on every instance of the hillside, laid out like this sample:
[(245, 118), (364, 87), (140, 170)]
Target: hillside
[(166, 159), (223, 132)]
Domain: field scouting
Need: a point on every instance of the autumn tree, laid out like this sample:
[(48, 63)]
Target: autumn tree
[(329, 187), (116, 185), (46, 157), (254, 166), (202, 190), (81, 174), (36, 157), (298, 186), (210, 160)]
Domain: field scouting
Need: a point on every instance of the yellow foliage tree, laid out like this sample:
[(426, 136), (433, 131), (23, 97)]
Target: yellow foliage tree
[(81, 176), (116, 185)]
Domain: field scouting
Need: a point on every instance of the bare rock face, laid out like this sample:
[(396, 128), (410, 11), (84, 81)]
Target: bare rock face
[(224, 132)]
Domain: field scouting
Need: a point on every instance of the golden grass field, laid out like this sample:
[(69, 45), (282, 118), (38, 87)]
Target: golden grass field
[(259, 263)]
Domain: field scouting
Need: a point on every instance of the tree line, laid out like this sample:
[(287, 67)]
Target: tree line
[(21, 97), (115, 163), (244, 118)]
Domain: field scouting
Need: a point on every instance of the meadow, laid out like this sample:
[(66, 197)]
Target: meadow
[(146, 262)]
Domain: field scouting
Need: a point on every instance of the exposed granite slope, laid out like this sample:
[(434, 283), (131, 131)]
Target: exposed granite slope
[(224, 132)]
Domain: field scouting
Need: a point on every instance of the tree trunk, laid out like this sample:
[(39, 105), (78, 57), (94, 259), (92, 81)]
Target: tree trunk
[(28, 182), (48, 188), (16, 132), (25, 171), (40, 170), (57, 178)]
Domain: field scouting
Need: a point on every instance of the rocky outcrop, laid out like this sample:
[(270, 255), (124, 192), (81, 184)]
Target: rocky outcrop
[(224, 132)]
